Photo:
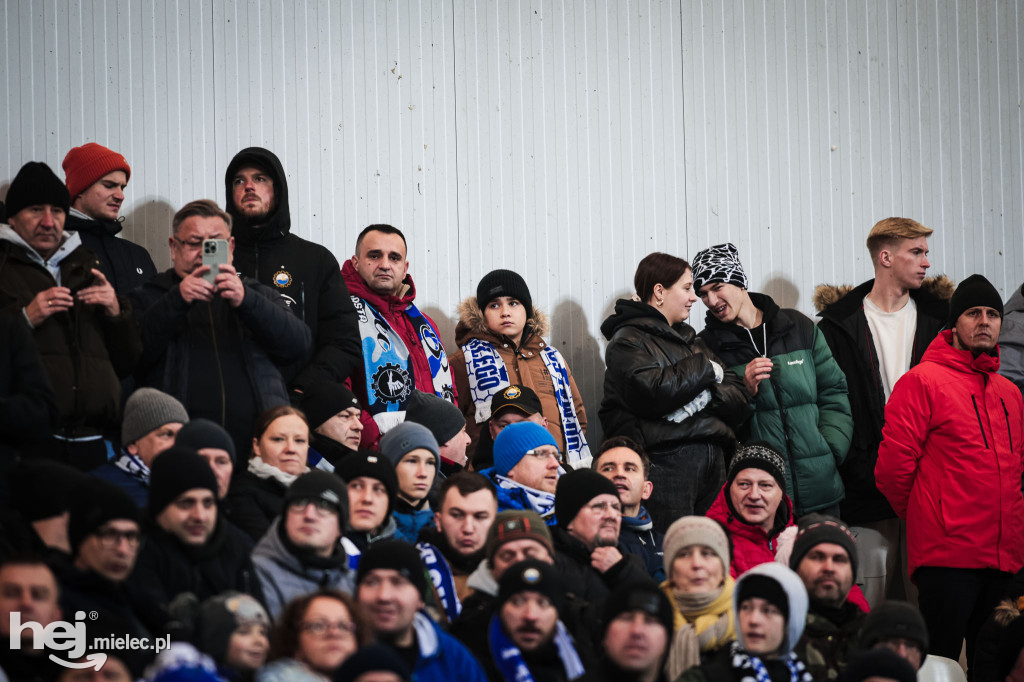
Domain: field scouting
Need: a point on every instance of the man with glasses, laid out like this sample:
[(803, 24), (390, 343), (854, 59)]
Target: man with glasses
[(587, 551), (302, 549), (214, 340), (104, 534), (526, 469), (188, 548)]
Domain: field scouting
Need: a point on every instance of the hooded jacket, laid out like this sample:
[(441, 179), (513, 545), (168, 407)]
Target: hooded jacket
[(950, 461), (751, 545), (393, 309), (125, 264), (83, 350), (1011, 339), (654, 369), (283, 575), (525, 367), (846, 330), (802, 410), (306, 274)]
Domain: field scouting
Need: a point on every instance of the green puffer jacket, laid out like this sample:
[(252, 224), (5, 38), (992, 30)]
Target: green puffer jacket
[(802, 410)]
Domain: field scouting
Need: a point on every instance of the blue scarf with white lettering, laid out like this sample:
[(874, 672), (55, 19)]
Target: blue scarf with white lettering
[(488, 375), (508, 659), (441, 575), (388, 368)]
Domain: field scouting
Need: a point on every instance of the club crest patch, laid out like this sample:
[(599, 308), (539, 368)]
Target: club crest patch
[(282, 279), (391, 383), (512, 392)]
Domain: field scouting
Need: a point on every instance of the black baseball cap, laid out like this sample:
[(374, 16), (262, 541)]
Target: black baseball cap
[(523, 399)]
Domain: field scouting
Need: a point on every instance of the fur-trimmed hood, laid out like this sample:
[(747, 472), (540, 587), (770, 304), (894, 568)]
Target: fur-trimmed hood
[(940, 287), (472, 323)]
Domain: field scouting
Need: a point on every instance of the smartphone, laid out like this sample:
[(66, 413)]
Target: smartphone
[(215, 252)]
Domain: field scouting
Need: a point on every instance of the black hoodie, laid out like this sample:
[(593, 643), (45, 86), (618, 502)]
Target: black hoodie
[(306, 274), (125, 264)]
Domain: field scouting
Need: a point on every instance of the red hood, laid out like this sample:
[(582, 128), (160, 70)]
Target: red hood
[(357, 287), (722, 511), (941, 350)]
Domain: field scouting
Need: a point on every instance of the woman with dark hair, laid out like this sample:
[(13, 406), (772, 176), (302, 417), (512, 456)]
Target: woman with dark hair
[(666, 390), (280, 444), (313, 636)]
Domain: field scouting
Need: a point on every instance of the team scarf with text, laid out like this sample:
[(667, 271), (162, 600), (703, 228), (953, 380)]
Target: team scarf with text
[(441, 576), (388, 368), (509, 659), (488, 375)]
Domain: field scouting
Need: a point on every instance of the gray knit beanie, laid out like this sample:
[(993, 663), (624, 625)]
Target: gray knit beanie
[(406, 437), (148, 409)]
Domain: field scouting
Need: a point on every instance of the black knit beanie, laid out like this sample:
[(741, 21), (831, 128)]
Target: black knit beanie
[(645, 597), (395, 555), (201, 433), (497, 283), (320, 486), (36, 184), (815, 529), (94, 502), (443, 418), (372, 465), (575, 489), (174, 472), (881, 663), (532, 575), (324, 399), (758, 456), (763, 587), (41, 488), (894, 619), (973, 291)]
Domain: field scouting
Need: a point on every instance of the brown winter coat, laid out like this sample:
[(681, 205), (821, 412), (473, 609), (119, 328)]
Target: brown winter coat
[(525, 367)]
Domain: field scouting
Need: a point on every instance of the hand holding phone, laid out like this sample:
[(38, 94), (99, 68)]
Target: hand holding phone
[(215, 254)]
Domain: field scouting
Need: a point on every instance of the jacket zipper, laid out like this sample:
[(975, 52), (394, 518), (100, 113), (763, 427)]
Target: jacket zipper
[(1009, 432), (978, 415), (220, 369)]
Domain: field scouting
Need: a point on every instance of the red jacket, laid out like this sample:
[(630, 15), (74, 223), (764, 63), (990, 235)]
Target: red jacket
[(950, 461), (751, 545), (392, 308)]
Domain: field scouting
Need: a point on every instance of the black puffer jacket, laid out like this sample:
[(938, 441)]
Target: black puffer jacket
[(306, 274), (125, 264), (846, 330), (654, 369)]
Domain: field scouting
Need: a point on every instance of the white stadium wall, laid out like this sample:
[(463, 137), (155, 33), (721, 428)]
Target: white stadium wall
[(564, 140)]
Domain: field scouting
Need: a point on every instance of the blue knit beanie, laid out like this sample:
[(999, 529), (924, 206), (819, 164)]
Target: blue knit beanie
[(515, 440)]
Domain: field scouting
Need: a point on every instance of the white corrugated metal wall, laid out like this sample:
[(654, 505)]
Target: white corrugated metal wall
[(561, 139)]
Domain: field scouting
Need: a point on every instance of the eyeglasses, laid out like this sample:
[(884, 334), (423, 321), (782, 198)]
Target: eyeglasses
[(543, 454), (110, 538), (602, 507), (191, 244), (320, 628), (323, 507)]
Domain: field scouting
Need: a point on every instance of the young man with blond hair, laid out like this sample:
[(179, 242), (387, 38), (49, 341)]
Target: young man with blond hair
[(877, 331)]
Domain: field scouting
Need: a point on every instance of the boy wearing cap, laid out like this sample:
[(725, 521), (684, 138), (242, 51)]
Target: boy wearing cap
[(525, 638), (85, 334), (151, 422), (188, 547), (412, 450), (372, 489), (950, 463), (799, 392), (825, 557), (638, 624), (526, 469), (754, 506), (500, 338), (302, 550), (96, 178), (391, 587), (333, 413)]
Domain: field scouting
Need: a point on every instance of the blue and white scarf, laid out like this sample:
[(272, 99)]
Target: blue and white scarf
[(133, 466), (389, 374), (441, 576), (541, 502), (508, 659), (746, 663), (488, 375)]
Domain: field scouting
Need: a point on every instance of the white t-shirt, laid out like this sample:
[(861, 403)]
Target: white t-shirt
[(893, 334)]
